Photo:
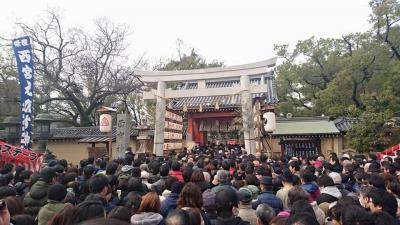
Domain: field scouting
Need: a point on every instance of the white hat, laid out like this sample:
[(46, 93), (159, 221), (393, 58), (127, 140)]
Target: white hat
[(337, 179)]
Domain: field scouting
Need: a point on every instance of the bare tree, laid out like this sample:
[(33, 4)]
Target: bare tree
[(77, 72), (9, 90)]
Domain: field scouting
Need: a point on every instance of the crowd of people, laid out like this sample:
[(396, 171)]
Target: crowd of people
[(212, 185)]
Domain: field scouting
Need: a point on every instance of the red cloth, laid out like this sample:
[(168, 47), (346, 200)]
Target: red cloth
[(232, 171), (20, 156), (317, 164), (177, 174), (313, 196)]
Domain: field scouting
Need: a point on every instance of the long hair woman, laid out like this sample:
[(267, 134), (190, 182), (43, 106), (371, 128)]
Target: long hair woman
[(149, 211), (191, 197)]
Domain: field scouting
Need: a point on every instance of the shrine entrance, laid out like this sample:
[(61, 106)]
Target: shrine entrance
[(210, 99), (213, 128)]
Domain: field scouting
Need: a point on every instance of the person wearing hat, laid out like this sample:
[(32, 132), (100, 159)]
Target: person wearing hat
[(56, 195), (337, 180), (245, 211), (37, 196), (267, 196)]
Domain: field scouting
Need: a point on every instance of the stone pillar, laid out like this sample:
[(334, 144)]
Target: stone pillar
[(160, 119), (247, 115)]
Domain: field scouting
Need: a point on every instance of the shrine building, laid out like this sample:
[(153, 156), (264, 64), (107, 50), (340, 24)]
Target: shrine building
[(217, 103), (223, 105)]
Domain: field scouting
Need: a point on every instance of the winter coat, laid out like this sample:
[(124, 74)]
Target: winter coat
[(22, 188), (312, 189), (36, 198), (248, 214), (329, 194), (229, 221), (283, 194), (49, 210), (159, 185), (222, 186), (211, 216), (319, 214), (203, 185), (147, 218), (177, 174), (169, 204), (269, 198)]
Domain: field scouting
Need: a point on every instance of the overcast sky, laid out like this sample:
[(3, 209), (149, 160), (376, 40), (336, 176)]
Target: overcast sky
[(236, 32)]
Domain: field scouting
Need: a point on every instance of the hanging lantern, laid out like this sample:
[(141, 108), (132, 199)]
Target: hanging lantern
[(217, 106), (201, 108), (105, 123), (269, 122), (185, 109)]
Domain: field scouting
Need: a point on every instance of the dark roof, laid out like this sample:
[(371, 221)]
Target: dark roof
[(345, 123), (94, 139), (82, 132), (2, 134), (298, 126), (225, 101)]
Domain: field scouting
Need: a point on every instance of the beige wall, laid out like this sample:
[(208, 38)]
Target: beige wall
[(332, 144), (73, 151), (69, 150)]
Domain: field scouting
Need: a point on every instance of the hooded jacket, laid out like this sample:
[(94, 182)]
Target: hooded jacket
[(312, 189), (329, 194), (269, 198), (169, 204), (147, 218), (48, 211), (36, 198)]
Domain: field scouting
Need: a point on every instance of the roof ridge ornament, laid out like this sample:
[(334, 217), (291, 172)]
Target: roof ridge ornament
[(217, 105)]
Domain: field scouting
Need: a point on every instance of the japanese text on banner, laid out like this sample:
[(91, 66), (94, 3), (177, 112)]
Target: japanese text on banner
[(23, 54)]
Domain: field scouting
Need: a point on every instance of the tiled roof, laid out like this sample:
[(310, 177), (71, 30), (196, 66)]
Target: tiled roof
[(81, 132), (94, 140), (345, 123), (304, 126), (225, 101)]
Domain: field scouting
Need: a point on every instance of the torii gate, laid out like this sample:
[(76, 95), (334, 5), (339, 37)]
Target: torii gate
[(202, 76)]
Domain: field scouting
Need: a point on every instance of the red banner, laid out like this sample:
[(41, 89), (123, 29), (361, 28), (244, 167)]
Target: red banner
[(20, 156)]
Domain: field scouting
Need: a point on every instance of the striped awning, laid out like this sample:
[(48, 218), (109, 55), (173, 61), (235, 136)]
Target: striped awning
[(95, 140)]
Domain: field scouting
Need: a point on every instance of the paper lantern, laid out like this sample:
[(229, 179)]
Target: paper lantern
[(269, 122), (105, 123)]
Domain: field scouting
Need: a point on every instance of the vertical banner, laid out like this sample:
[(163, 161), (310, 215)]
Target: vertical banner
[(23, 54), (123, 134)]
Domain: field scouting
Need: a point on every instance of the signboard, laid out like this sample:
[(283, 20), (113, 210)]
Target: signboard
[(20, 156), (171, 146), (123, 134), (173, 116), (173, 126), (173, 131), (105, 123), (23, 54), (173, 136)]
